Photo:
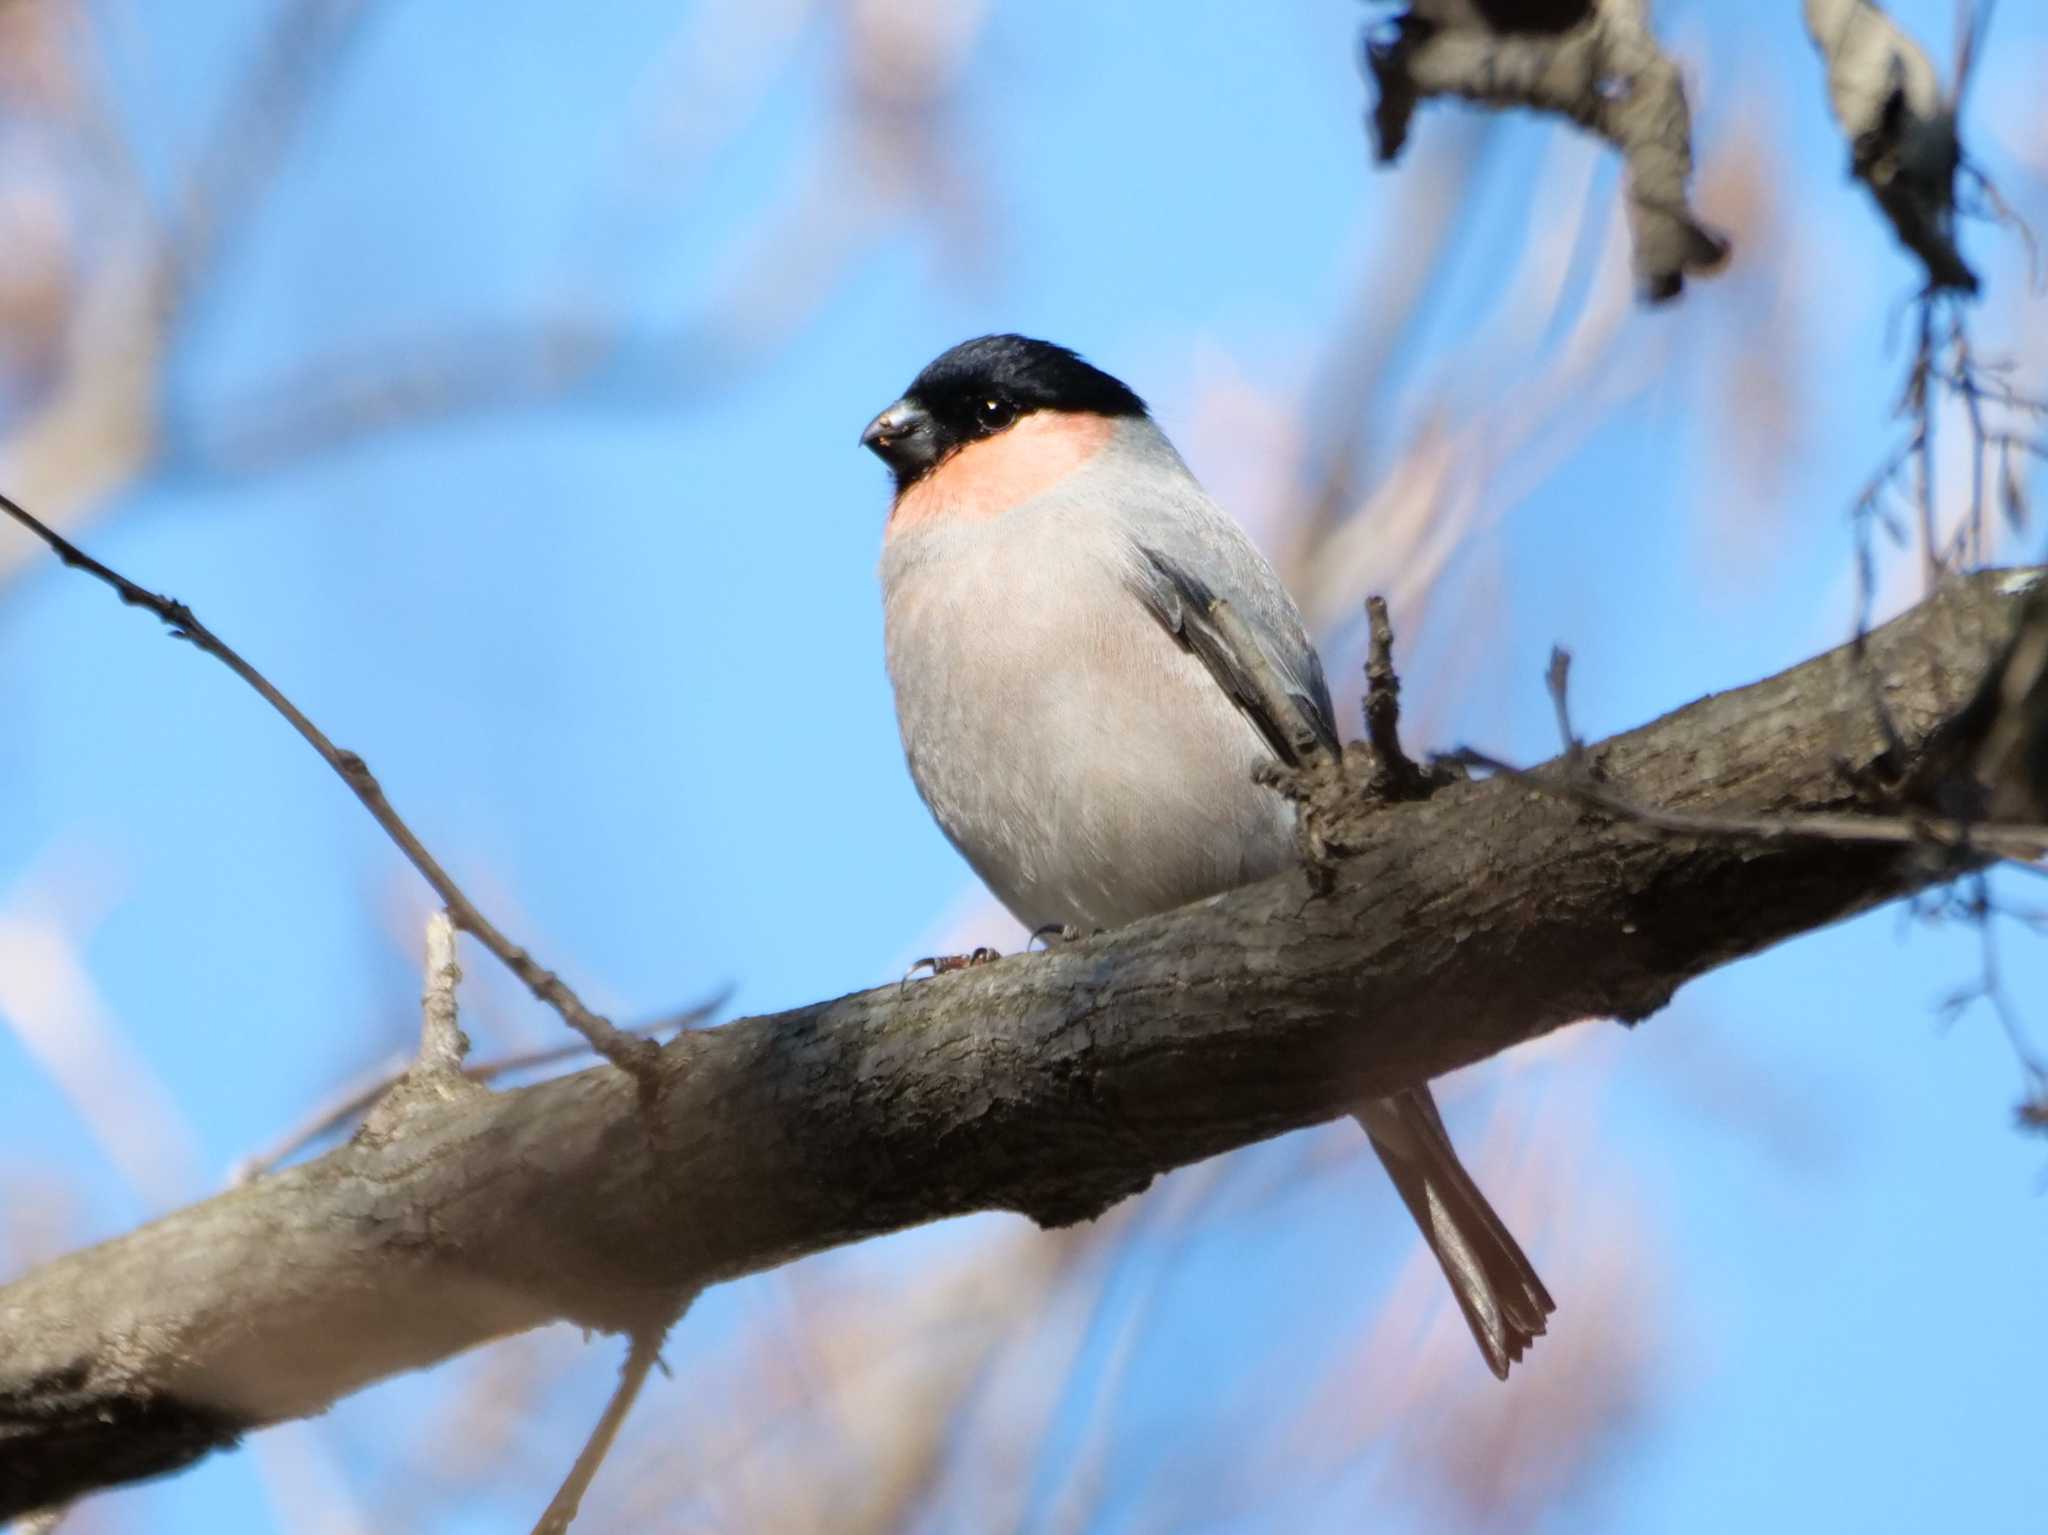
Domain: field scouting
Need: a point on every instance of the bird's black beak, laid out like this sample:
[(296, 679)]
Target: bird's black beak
[(906, 438), (893, 425)]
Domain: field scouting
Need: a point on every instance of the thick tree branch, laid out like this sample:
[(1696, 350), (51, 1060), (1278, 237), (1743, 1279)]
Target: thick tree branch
[(1050, 1084)]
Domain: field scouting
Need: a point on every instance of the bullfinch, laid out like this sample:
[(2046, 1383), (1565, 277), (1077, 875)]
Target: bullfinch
[(1076, 733)]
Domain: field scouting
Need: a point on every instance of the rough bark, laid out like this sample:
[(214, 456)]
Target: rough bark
[(1054, 1085)]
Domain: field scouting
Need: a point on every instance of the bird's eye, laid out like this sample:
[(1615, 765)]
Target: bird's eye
[(994, 415)]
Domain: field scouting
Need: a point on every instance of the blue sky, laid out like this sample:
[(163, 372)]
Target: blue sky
[(617, 656)]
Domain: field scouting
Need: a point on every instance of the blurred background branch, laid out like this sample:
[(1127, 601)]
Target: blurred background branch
[(1596, 64)]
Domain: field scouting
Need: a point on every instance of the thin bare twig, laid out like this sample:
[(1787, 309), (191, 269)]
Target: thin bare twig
[(1919, 399), (641, 1359), (1557, 679), (689, 1018), (1869, 508), (351, 1100), (1973, 411), (360, 1094), (1396, 775), (2019, 844), (442, 1042), (1979, 909), (1945, 368), (1382, 686), (1990, 987), (639, 1057)]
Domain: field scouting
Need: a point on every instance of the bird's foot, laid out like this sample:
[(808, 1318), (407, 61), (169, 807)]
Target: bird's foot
[(944, 964)]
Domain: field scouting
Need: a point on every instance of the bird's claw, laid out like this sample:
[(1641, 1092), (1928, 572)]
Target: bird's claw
[(945, 964), (1056, 932)]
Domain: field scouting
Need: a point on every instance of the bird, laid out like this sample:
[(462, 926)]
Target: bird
[(1081, 732)]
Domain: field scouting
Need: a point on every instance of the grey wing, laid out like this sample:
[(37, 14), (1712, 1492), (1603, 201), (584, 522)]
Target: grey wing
[(1251, 650)]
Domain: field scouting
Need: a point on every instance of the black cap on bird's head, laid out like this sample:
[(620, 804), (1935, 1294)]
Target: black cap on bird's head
[(976, 390)]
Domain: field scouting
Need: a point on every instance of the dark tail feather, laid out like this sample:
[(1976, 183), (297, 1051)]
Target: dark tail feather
[(1504, 1302)]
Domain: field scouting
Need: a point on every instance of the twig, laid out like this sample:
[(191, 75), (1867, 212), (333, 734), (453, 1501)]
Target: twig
[(1973, 411), (352, 1099), (1995, 992), (1396, 775), (2002, 213), (2017, 843), (1920, 398), (1557, 679), (1946, 361), (641, 1358), (357, 1096), (1990, 988), (1987, 381), (639, 1057), (1382, 685), (442, 1042), (1966, 379), (1869, 507)]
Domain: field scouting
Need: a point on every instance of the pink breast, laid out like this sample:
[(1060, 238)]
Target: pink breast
[(987, 478)]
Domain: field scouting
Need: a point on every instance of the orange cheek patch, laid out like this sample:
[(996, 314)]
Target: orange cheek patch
[(987, 478)]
